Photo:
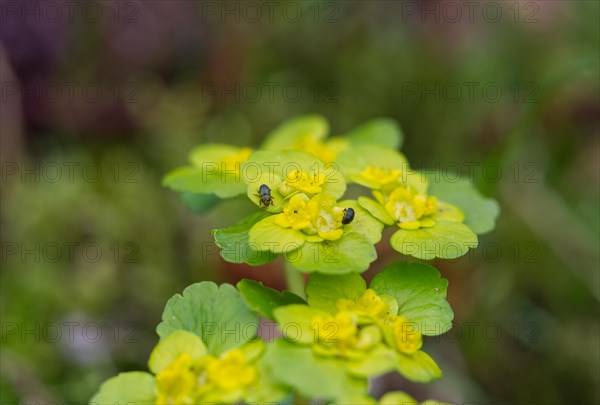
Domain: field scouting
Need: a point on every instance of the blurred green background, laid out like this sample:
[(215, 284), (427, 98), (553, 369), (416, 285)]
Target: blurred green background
[(100, 100)]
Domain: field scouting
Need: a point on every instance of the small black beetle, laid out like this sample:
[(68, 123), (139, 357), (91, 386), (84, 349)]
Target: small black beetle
[(264, 195), (348, 216)]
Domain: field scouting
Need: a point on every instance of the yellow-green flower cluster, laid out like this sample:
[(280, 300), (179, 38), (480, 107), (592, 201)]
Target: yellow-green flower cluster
[(428, 226), (298, 161), (410, 209), (360, 332), (308, 225), (400, 193), (186, 373), (189, 380), (362, 324), (344, 332), (319, 217)]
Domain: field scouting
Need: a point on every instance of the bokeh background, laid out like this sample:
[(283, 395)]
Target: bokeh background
[(101, 98)]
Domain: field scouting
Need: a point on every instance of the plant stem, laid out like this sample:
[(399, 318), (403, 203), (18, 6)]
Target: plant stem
[(294, 280)]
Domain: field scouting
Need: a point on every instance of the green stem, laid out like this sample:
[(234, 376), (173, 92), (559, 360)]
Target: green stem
[(294, 280)]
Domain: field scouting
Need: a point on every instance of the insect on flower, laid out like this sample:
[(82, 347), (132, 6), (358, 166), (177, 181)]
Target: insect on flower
[(348, 216), (264, 195)]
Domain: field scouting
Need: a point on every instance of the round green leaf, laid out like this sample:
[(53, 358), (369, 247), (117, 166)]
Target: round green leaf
[(126, 388), (352, 253), (363, 223), (266, 389), (234, 242), (177, 343), (323, 291), (285, 135), (217, 314), (297, 322), (448, 212), (196, 180), (263, 299), (480, 213), (446, 240), (379, 361), (266, 235), (311, 375), (421, 295), (418, 367), (199, 203), (381, 131), (376, 210)]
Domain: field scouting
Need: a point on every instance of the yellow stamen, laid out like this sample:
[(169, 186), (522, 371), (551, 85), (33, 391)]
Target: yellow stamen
[(326, 217), (410, 209), (295, 215)]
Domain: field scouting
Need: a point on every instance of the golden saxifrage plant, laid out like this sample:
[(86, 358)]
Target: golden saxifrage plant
[(336, 332)]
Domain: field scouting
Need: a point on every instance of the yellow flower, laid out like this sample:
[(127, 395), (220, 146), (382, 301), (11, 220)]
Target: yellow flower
[(406, 338), (409, 209), (339, 335), (233, 162), (177, 382), (339, 328), (335, 335), (230, 372), (195, 376), (369, 305), (295, 215), (300, 181), (379, 176), (326, 216), (318, 216)]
